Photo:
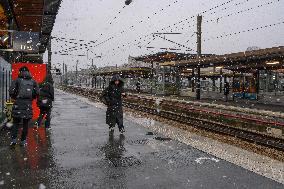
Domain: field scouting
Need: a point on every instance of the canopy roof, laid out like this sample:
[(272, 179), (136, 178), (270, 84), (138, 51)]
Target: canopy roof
[(36, 16), (162, 57), (271, 58), (126, 72)]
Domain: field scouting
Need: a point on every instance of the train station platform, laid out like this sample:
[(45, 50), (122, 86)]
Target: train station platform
[(78, 152)]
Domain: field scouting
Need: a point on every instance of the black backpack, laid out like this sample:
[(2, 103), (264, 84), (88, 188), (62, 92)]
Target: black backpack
[(25, 89)]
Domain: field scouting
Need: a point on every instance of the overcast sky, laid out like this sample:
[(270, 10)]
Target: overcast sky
[(92, 20)]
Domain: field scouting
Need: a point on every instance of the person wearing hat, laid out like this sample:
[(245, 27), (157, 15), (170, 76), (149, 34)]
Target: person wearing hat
[(23, 91), (112, 98), (45, 99)]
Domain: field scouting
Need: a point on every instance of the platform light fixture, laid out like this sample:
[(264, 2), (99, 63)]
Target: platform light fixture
[(4, 38), (219, 67), (272, 63)]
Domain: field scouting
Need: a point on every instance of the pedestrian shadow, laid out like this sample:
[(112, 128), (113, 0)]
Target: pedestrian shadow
[(116, 153), (114, 150)]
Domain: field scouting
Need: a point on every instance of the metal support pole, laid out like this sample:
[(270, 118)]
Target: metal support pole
[(152, 76), (164, 78), (9, 82), (11, 57), (2, 84), (267, 81), (6, 85), (276, 83), (257, 84), (213, 80), (49, 57), (244, 86), (221, 80), (193, 81), (66, 73), (198, 84), (76, 76), (63, 72), (178, 80), (233, 85), (199, 33)]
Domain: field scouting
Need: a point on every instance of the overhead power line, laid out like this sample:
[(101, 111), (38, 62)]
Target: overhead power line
[(247, 30), (180, 45)]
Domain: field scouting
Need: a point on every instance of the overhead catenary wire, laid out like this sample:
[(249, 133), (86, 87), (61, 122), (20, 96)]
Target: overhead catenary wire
[(189, 18), (243, 11), (215, 7), (123, 31), (245, 31), (121, 47), (239, 12), (171, 41)]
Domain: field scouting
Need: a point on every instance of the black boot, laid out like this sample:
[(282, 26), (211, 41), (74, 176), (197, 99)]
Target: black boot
[(121, 130)]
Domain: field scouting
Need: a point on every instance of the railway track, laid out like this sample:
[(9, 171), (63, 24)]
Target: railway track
[(188, 115), (214, 126)]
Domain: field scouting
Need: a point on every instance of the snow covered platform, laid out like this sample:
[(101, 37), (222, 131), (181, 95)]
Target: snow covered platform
[(78, 152)]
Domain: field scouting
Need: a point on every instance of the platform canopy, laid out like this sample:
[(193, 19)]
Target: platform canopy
[(270, 58), (35, 16), (162, 57), (125, 72)]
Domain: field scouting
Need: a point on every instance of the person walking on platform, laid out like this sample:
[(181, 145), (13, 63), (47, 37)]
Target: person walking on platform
[(45, 99), (23, 91), (112, 97), (138, 86), (226, 90)]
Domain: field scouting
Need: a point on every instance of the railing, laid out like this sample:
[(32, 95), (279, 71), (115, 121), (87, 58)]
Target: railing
[(5, 82)]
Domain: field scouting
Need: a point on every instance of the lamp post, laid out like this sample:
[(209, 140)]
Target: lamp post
[(77, 72)]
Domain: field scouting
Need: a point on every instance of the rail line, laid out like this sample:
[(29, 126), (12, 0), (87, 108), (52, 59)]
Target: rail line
[(213, 126)]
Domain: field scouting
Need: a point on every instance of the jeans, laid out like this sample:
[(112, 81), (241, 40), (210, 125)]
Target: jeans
[(47, 112), (16, 127)]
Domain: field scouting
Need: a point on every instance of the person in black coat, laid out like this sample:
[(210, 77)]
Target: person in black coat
[(112, 97), (45, 99), (23, 91), (138, 86), (226, 90)]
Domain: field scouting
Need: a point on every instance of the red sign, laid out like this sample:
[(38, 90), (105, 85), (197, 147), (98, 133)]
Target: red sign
[(38, 72)]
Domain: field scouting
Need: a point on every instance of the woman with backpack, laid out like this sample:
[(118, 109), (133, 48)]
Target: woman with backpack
[(23, 91), (45, 98)]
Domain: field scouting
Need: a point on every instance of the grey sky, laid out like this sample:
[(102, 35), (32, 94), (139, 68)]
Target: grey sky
[(87, 19)]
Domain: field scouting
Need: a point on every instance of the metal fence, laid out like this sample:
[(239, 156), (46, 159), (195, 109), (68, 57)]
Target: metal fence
[(5, 82)]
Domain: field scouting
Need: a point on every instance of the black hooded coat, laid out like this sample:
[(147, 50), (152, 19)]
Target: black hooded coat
[(22, 108), (46, 94), (112, 97)]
